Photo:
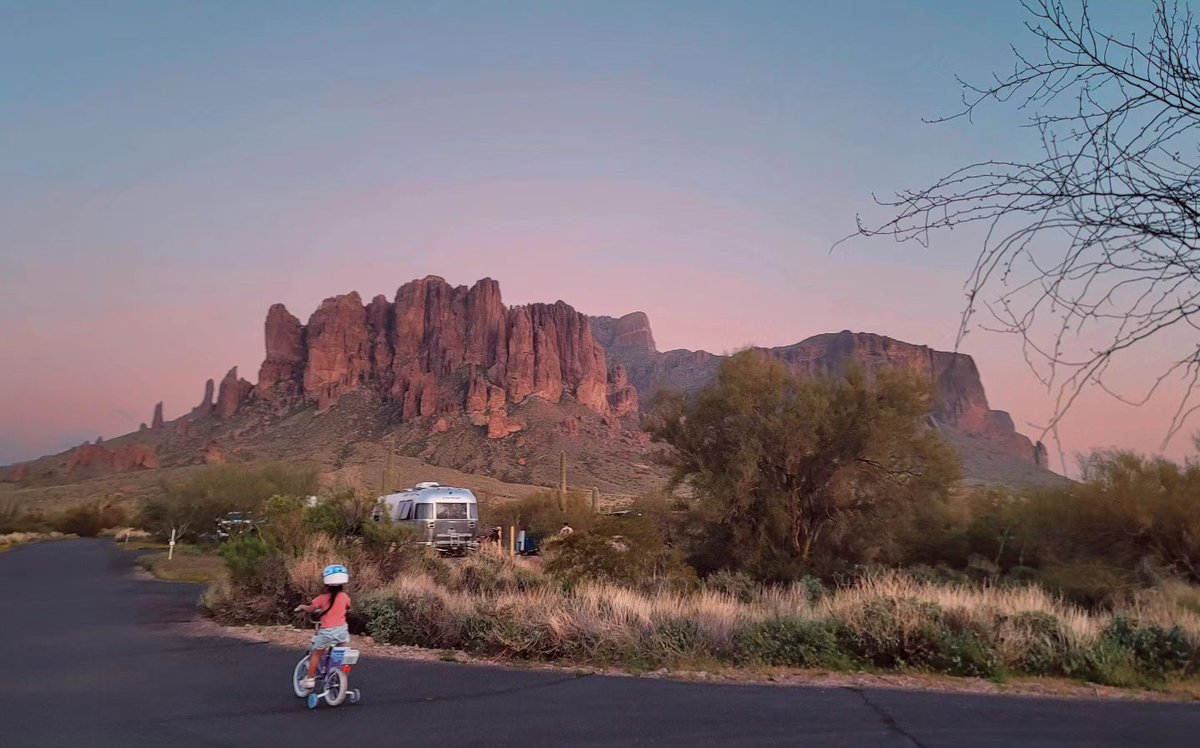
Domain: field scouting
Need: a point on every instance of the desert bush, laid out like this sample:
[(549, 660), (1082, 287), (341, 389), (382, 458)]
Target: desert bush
[(1033, 642), (619, 593), (629, 550), (414, 612), (738, 585), (343, 514), (282, 523), (1158, 652), (491, 572), (540, 514), (792, 642), (1092, 584), (245, 556), (87, 520), (262, 594), (15, 518), (1130, 515), (194, 505), (906, 632)]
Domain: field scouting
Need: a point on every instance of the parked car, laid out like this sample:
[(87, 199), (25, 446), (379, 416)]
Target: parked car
[(235, 524)]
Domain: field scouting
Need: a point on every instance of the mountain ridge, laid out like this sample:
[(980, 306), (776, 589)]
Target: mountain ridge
[(454, 377)]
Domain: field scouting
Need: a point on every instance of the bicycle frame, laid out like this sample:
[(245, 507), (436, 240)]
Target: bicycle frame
[(324, 663)]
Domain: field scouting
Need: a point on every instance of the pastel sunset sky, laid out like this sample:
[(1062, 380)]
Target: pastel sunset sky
[(171, 169)]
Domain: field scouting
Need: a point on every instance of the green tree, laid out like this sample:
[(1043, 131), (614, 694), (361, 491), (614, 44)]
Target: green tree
[(193, 506), (793, 474), (1129, 513)]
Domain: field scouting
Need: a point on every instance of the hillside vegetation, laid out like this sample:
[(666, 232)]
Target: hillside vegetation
[(813, 523), (818, 529)]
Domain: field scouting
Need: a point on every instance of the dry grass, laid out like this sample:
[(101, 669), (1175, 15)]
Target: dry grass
[(13, 539), (495, 605), (188, 564), (125, 534)]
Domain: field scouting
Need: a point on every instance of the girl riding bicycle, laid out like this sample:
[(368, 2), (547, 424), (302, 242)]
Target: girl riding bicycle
[(332, 608)]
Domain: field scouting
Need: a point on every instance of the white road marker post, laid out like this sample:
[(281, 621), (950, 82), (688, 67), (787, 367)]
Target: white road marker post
[(171, 545)]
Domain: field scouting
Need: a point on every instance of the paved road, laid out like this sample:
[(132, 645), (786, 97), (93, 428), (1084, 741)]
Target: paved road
[(95, 659)]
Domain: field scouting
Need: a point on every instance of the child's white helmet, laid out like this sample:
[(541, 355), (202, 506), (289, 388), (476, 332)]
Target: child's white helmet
[(335, 574)]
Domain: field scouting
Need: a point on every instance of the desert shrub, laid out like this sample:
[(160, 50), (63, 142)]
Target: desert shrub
[(282, 523), (194, 505), (1092, 584), (81, 520), (15, 518), (259, 591), (1130, 511), (738, 585), (676, 638), (391, 547), (87, 520), (540, 514), (811, 587), (906, 632), (344, 514), (523, 638), (483, 579), (966, 653), (1037, 642), (1105, 662), (490, 573), (478, 631), (419, 619), (1158, 652), (435, 567), (791, 642), (628, 550), (245, 556)]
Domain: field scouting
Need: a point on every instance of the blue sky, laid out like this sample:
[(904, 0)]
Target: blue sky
[(171, 169)]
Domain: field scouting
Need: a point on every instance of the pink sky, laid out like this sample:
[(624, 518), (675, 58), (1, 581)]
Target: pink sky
[(123, 333), (173, 169)]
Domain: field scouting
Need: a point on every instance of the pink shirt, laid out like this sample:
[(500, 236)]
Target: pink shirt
[(337, 615)]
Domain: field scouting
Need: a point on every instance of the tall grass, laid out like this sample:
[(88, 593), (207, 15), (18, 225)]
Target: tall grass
[(499, 606)]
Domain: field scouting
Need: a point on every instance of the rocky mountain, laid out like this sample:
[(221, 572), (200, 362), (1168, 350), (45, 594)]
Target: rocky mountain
[(450, 376), (438, 350)]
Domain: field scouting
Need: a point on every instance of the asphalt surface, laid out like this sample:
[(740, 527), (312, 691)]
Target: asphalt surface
[(96, 658)]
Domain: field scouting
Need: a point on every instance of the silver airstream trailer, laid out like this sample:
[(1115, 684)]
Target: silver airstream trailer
[(444, 517)]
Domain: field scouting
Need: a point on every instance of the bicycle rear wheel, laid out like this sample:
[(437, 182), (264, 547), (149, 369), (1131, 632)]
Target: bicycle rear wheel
[(336, 685)]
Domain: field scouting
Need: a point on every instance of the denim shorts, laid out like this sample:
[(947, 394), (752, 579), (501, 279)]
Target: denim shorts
[(326, 638)]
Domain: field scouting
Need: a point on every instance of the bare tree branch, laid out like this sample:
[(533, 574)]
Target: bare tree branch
[(1100, 238)]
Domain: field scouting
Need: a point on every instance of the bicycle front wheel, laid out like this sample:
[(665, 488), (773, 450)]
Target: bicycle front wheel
[(336, 685), (298, 676)]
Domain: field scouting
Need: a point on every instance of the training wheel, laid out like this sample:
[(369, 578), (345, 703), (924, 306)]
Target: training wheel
[(312, 701), (353, 695)]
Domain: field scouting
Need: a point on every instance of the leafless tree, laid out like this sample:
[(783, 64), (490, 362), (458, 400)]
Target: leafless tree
[(1099, 239)]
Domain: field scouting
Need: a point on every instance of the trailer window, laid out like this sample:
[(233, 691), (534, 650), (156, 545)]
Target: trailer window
[(451, 511), (424, 511), (473, 511), (405, 510)]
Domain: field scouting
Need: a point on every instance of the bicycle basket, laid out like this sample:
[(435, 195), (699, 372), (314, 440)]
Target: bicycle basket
[(343, 656)]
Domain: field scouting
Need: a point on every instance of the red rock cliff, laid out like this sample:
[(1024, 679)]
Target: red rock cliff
[(435, 349)]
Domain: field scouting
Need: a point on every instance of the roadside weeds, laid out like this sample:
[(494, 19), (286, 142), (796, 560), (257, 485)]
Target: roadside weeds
[(296, 638), (11, 540)]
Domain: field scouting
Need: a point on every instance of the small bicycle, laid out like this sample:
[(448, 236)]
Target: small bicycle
[(333, 678)]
